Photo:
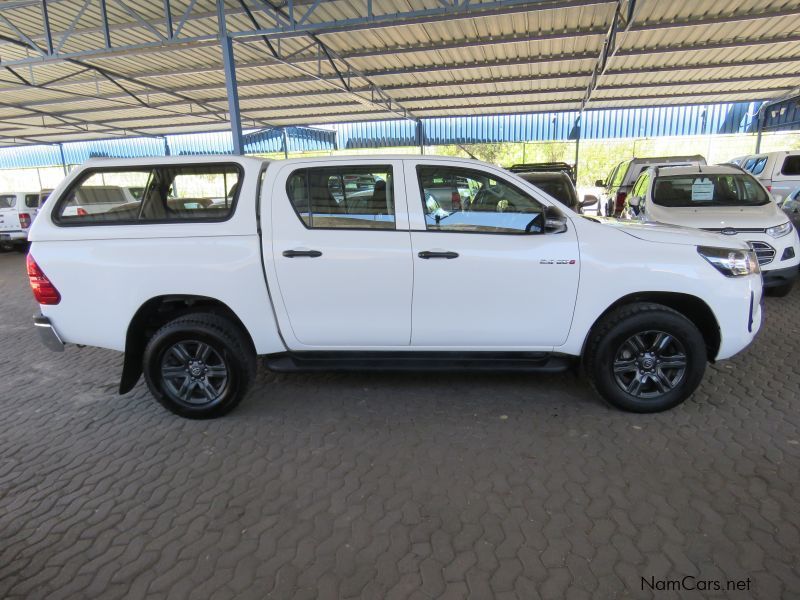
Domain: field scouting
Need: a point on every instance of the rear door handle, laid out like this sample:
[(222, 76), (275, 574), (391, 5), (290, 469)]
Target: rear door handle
[(436, 254), (308, 253)]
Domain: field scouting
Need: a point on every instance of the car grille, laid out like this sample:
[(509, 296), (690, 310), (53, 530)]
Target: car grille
[(764, 252)]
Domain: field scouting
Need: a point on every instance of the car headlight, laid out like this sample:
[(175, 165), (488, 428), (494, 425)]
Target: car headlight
[(779, 230), (729, 262)]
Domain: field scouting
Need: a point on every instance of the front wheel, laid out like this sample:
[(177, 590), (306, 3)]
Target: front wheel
[(199, 365), (645, 357)]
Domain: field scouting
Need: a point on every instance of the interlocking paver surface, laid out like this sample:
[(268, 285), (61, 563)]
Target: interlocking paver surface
[(393, 486)]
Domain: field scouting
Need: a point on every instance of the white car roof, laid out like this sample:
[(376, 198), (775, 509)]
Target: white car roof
[(174, 160), (218, 158), (700, 170)]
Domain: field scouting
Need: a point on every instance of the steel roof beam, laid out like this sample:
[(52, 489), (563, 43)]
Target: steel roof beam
[(645, 101), (435, 47), (290, 23), (112, 76), (432, 103), (457, 9), (623, 16), (445, 84), (287, 28), (344, 72)]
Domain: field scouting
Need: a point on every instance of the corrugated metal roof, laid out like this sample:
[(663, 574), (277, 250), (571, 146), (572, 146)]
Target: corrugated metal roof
[(519, 57)]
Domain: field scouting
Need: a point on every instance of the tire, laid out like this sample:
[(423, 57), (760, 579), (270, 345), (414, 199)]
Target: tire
[(22, 248), (645, 357), (779, 291), (199, 366)]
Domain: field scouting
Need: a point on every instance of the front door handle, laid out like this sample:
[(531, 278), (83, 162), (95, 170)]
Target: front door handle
[(436, 254), (308, 253)]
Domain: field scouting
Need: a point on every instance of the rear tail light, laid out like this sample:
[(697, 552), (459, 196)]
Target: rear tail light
[(82, 212), (43, 290), (24, 220), (620, 201), (455, 200)]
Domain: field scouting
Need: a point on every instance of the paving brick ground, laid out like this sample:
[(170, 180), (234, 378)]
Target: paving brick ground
[(402, 486)]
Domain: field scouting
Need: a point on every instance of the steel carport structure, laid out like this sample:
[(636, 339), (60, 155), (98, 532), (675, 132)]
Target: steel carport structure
[(83, 69)]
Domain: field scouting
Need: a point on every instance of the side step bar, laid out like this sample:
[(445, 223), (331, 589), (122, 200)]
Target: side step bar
[(537, 362)]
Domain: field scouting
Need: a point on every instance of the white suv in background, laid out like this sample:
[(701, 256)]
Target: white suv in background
[(17, 211), (726, 200), (778, 172)]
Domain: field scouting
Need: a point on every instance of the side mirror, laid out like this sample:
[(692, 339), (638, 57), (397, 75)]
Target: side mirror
[(589, 200), (554, 220), (600, 183)]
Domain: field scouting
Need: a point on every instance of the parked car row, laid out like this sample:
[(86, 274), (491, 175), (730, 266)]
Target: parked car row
[(752, 197)]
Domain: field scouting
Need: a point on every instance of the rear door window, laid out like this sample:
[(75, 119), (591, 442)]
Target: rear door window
[(791, 165), (32, 200), (347, 197), (8, 201)]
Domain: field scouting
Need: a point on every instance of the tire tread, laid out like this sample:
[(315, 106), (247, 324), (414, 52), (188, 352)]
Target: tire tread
[(604, 327), (238, 343)]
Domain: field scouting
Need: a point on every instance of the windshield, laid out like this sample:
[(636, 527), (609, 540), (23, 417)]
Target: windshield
[(559, 190), (702, 189)]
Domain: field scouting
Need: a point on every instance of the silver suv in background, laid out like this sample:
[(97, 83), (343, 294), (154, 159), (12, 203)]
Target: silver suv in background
[(619, 182)]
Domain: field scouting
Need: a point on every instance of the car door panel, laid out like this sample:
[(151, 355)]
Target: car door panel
[(341, 287), (501, 291), (497, 290)]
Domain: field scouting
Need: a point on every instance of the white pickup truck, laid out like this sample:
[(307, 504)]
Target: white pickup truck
[(221, 259)]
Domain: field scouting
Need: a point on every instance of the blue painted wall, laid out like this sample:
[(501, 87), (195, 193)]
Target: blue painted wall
[(659, 121), (597, 124)]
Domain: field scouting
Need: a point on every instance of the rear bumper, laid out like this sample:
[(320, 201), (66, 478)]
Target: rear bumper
[(778, 277), (47, 334), (13, 236)]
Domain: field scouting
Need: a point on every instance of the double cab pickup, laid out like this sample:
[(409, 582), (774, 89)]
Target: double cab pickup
[(195, 266)]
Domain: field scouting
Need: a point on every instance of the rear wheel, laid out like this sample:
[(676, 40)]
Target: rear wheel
[(199, 366), (645, 357)]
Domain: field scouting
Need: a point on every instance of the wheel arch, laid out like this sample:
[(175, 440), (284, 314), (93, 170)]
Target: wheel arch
[(692, 307), (154, 313)]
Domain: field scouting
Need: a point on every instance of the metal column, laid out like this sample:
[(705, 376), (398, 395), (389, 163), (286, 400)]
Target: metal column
[(63, 160), (229, 63), (577, 144), (285, 143), (762, 113)]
